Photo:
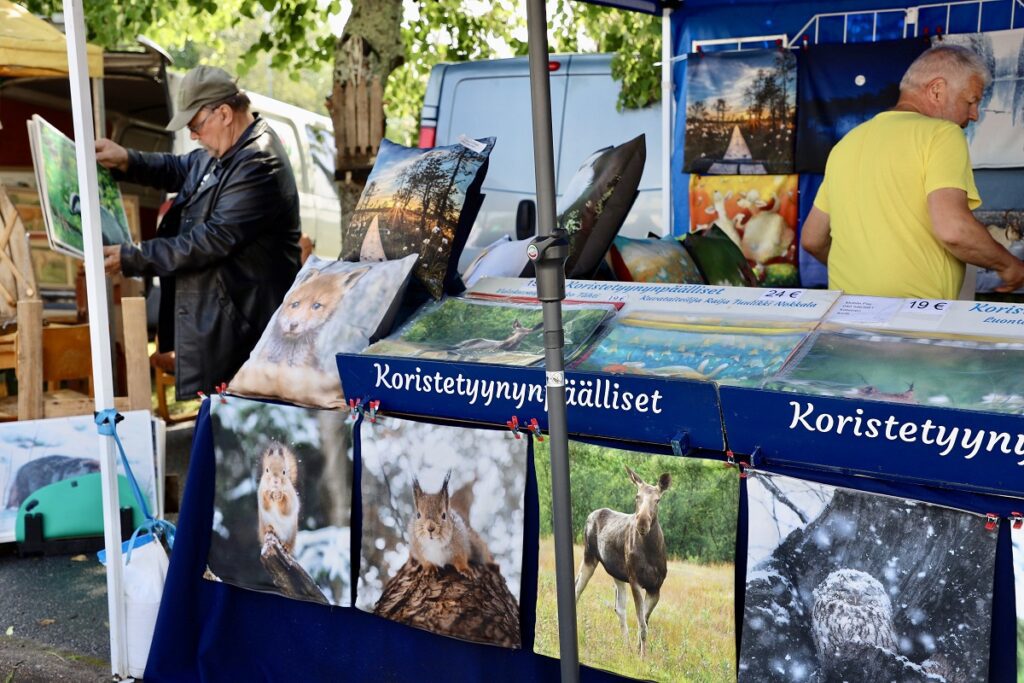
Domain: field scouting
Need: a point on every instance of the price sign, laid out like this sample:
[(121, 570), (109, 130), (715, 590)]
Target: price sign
[(782, 294), (936, 307), (865, 310)]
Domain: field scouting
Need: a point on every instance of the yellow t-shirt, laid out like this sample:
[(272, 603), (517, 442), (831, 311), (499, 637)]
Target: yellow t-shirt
[(875, 191)]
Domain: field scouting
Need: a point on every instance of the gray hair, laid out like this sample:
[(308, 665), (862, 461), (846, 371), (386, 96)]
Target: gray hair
[(953, 62)]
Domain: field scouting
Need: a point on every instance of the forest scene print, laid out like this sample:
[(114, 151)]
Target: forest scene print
[(59, 186), (691, 625), (996, 139), (740, 113), (442, 528), (844, 585), (282, 500), (413, 204)]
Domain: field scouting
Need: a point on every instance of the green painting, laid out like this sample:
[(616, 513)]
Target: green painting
[(950, 372), (467, 330), (53, 154)]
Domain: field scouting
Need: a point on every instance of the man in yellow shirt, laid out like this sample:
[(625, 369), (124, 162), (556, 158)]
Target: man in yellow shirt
[(893, 215)]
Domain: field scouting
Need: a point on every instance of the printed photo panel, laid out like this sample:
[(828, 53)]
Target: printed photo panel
[(848, 586), (442, 528), (1017, 537), (37, 453), (680, 514), (740, 113), (282, 500), (1007, 228), (930, 370), (759, 215), (995, 138)]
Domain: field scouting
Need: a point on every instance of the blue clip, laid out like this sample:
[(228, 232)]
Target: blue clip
[(681, 444)]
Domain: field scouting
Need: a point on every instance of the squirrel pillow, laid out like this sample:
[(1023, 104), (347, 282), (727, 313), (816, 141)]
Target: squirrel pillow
[(653, 260), (420, 201), (332, 307)]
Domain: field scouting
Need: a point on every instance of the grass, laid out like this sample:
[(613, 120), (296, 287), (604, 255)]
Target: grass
[(691, 634)]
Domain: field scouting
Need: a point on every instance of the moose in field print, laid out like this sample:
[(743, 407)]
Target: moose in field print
[(632, 549), (664, 530)]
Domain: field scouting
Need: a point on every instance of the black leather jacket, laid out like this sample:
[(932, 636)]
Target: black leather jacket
[(226, 252)]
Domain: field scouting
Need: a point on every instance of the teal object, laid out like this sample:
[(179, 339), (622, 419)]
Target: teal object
[(73, 508)]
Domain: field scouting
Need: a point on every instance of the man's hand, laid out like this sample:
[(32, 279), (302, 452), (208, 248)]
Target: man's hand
[(1012, 276), (111, 155), (112, 259)]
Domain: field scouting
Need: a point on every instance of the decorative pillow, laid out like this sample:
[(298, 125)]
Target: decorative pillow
[(333, 306), (720, 261), (503, 259), (840, 86), (739, 112), (653, 260), (419, 201), (596, 201)]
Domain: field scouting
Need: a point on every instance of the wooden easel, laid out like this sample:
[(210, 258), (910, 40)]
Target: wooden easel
[(17, 278)]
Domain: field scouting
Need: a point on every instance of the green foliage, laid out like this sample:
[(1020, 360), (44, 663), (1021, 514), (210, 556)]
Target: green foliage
[(697, 513)]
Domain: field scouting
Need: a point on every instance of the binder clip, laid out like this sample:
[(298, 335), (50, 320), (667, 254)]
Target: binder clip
[(372, 412), (221, 389), (938, 32), (700, 50), (805, 41), (1017, 519), (534, 428), (992, 521), (355, 408), (513, 425)]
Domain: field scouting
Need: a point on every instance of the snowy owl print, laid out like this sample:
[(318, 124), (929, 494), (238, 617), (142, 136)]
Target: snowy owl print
[(845, 585)]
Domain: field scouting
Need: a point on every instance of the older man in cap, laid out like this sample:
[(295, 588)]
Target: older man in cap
[(228, 248)]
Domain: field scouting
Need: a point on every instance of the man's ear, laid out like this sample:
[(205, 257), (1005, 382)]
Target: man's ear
[(936, 88)]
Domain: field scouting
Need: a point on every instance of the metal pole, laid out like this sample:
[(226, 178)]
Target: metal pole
[(667, 108), (548, 252), (99, 337)]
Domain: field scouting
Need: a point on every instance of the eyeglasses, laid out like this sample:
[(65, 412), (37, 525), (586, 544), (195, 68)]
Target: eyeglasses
[(195, 128)]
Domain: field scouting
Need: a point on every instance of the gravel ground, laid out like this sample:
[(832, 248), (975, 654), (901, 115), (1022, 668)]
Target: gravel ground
[(53, 610)]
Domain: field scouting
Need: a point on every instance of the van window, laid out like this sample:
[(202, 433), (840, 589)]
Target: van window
[(322, 151), (290, 142)]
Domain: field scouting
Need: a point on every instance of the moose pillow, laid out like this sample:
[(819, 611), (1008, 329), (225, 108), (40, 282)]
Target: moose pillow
[(332, 307)]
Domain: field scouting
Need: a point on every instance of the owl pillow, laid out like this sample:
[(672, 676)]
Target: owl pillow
[(419, 201), (332, 307)]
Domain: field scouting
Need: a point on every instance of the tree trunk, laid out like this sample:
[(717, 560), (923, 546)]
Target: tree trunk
[(369, 49)]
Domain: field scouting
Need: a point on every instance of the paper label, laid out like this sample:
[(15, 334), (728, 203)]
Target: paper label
[(472, 144), (932, 307), (865, 310)]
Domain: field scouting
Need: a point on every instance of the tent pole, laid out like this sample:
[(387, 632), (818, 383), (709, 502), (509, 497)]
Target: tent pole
[(667, 103), (99, 334), (548, 251)]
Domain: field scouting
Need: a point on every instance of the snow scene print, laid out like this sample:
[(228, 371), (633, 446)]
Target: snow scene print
[(442, 537), (282, 500), (740, 113), (848, 586), (1017, 538), (680, 515), (996, 139)]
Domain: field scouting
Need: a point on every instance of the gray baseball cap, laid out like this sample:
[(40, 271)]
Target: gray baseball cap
[(202, 86)]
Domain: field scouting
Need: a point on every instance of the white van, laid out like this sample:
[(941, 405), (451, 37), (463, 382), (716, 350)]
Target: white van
[(492, 98), (308, 138)]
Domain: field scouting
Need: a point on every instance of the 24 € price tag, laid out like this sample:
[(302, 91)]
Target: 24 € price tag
[(934, 307), (782, 294)]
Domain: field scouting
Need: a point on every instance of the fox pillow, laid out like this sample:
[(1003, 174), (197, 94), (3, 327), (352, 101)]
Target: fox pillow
[(332, 307)]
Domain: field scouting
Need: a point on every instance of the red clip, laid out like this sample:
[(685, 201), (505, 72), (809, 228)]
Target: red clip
[(938, 32), (806, 39), (221, 388), (700, 50), (1018, 520), (925, 31), (993, 521), (730, 459), (355, 408), (201, 395), (534, 428), (513, 425), (778, 42), (374, 405)]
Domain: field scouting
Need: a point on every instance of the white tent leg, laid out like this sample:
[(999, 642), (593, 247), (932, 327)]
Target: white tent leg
[(666, 122), (99, 336)]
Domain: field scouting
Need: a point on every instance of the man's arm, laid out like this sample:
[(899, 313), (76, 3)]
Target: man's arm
[(963, 236), (816, 235)]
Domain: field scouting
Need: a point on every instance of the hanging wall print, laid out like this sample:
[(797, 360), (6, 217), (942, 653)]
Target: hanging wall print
[(1007, 228), (997, 138), (680, 515), (442, 536), (282, 500), (840, 86), (740, 116), (758, 214), (1017, 536), (848, 586)]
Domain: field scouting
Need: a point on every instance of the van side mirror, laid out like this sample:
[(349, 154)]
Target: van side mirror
[(526, 219)]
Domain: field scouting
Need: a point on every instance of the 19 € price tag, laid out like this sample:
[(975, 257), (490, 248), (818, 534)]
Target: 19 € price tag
[(936, 307)]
